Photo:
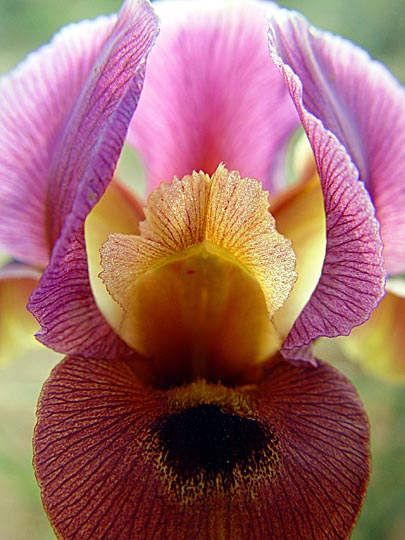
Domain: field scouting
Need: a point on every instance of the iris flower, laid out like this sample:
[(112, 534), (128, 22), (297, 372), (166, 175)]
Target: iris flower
[(189, 403)]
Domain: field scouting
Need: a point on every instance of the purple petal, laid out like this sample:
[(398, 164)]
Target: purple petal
[(83, 166), (86, 155), (352, 280), (65, 307), (212, 94), (36, 99), (114, 460), (359, 101)]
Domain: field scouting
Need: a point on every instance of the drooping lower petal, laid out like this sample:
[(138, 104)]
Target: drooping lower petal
[(287, 459), (352, 280), (63, 303), (359, 101), (212, 94), (36, 100)]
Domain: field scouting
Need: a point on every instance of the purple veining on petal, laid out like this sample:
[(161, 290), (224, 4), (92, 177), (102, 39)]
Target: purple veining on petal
[(65, 307), (352, 280), (364, 106), (212, 94), (36, 99), (63, 303), (121, 63), (103, 470)]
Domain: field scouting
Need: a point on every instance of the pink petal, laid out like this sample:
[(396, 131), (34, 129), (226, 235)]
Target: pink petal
[(36, 100), (114, 460), (83, 166), (352, 280), (212, 94), (359, 101)]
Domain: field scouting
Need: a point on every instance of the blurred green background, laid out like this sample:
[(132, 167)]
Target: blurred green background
[(378, 26)]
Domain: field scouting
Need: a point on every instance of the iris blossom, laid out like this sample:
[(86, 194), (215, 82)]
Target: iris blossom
[(189, 403)]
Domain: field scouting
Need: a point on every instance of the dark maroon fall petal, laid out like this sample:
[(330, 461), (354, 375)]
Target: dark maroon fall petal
[(114, 460)]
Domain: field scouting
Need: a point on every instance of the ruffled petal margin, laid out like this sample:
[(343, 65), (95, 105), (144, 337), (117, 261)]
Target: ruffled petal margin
[(300, 217), (359, 101), (212, 94), (104, 474), (352, 280), (36, 100), (63, 303)]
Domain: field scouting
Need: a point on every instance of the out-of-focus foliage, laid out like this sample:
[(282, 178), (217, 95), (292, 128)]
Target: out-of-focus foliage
[(378, 26), (21, 514)]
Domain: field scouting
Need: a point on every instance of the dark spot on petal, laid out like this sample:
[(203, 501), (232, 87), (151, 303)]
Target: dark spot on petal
[(204, 449), (205, 438)]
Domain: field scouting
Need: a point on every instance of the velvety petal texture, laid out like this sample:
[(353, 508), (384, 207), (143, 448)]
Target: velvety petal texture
[(36, 101), (359, 101), (83, 166), (115, 459), (212, 94), (352, 279)]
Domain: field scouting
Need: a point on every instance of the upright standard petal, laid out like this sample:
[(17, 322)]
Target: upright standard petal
[(83, 166), (115, 459), (352, 279), (212, 94), (36, 100), (359, 101)]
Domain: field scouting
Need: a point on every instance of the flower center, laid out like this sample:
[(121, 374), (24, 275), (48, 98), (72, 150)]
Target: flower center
[(211, 443), (206, 450), (199, 286)]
